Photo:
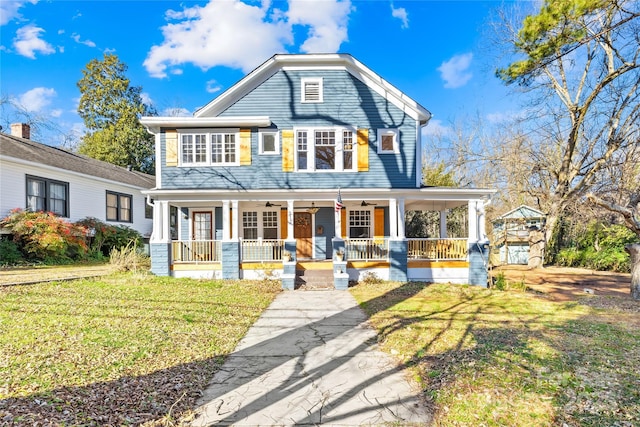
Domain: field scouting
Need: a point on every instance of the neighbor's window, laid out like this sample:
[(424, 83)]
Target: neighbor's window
[(311, 90), (250, 225), (47, 195), (119, 207), (270, 225), (359, 224), (388, 141), (209, 148), (269, 143)]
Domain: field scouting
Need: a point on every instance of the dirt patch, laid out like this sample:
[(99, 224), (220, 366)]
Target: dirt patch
[(569, 284)]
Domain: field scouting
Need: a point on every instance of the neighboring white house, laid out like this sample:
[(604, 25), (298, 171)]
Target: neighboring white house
[(38, 177)]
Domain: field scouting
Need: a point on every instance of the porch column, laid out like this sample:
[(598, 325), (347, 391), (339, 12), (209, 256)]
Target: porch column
[(226, 215), (393, 218), (482, 230), (400, 219), (160, 244), (478, 248), (230, 240), (443, 224), (290, 228)]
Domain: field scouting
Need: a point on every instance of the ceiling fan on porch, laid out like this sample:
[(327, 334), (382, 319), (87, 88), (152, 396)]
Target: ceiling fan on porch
[(365, 203), (270, 205)]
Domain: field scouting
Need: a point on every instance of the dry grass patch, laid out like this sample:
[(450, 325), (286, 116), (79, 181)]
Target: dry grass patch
[(509, 358), (123, 350)]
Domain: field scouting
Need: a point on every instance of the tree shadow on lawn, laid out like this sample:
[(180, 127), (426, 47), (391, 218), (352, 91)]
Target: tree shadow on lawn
[(303, 353)]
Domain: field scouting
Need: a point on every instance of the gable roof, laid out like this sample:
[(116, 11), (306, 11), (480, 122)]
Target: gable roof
[(315, 62), (522, 211), (35, 152)]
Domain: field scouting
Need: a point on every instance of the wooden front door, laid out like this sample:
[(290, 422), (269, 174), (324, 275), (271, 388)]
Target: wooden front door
[(303, 234)]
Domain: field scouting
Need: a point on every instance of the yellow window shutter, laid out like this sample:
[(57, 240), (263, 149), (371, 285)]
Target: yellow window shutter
[(343, 222), (283, 224), (171, 144), (378, 225), (363, 150), (287, 150), (245, 147)]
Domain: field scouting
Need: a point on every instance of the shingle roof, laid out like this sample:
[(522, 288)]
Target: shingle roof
[(25, 149)]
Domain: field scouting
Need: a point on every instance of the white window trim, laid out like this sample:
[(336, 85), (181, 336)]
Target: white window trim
[(371, 221), (208, 133), (311, 149), (396, 145), (260, 218), (303, 83), (277, 140)]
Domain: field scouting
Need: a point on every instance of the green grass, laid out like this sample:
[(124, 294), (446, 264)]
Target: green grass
[(120, 350), (494, 358)]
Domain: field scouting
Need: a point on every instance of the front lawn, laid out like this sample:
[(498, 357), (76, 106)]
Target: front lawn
[(120, 350), (496, 358)]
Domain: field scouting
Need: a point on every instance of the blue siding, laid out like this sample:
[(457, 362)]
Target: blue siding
[(160, 262), (184, 223), (325, 217), (398, 260), (217, 223), (347, 102), (478, 257)]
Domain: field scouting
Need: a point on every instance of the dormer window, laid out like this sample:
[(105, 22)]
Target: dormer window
[(312, 90)]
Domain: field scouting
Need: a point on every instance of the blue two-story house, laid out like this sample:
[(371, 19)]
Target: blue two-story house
[(308, 162)]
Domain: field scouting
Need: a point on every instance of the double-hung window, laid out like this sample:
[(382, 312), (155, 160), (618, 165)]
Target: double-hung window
[(257, 225), (325, 149), (119, 207), (359, 224), (47, 195), (211, 148)]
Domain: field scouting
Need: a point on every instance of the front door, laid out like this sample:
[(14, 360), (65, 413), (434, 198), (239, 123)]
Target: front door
[(302, 232)]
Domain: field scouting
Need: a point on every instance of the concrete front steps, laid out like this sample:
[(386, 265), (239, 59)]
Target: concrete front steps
[(314, 275)]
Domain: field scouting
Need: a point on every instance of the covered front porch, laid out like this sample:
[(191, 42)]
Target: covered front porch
[(253, 236)]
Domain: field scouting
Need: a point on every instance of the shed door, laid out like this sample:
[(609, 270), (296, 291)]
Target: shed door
[(303, 234)]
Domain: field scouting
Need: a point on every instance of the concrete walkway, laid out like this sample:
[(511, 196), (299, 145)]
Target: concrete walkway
[(311, 359)]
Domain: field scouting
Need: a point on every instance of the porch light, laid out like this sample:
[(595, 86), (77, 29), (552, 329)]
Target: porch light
[(364, 203), (313, 210)]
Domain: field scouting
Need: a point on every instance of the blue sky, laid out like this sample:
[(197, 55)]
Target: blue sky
[(184, 54)]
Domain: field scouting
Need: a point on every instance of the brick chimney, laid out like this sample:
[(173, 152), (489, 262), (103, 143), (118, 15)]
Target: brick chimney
[(21, 130)]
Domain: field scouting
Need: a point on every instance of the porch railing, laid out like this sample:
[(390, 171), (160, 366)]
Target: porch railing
[(196, 251), (437, 249), (375, 249), (261, 250)]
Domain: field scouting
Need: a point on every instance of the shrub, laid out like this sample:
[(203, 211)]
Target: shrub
[(129, 258), (370, 278), (106, 237), (9, 252), (43, 236)]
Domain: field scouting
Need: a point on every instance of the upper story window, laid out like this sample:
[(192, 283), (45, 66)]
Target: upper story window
[(311, 90), (269, 142), (325, 149), (388, 141), (219, 147), (47, 195), (119, 207)]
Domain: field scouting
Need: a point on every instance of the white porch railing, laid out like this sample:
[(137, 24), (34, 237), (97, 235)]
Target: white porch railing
[(376, 249), (261, 250), (196, 251), (437, 249)]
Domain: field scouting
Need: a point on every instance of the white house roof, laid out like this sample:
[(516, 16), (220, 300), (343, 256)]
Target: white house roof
[(522, 211), (315, 62)]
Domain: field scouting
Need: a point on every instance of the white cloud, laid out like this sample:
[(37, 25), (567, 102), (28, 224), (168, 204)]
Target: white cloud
[(213, 86), (455, 72), (56, 113), (436, 128), (146, 98), (242, 35), (9, 9), (27, 42), (401, 14), (327, 21), (37, 98), (229, 33), (89, 43)]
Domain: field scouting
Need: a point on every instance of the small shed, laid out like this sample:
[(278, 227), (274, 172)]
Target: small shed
[(511, 233)]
